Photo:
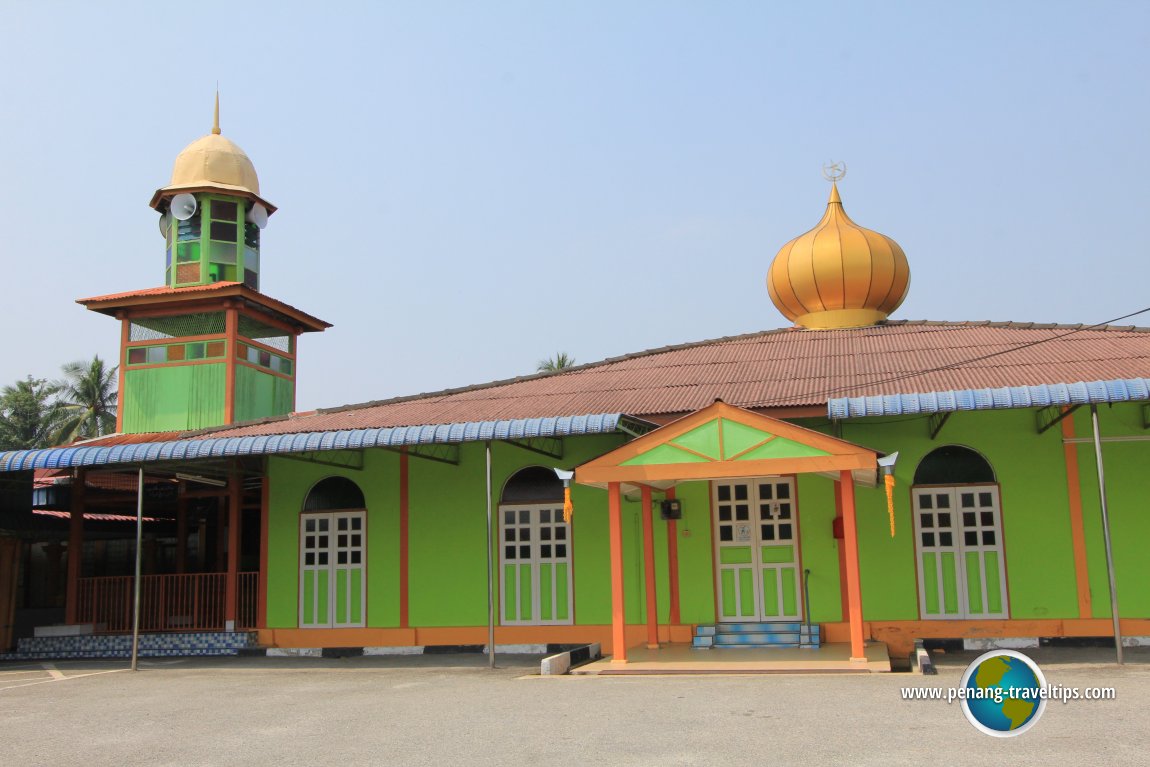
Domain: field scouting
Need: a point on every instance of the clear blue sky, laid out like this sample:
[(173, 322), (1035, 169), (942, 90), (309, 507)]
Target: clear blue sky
[(465, 188)]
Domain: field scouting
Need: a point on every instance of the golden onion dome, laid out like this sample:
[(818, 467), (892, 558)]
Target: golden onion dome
[(213, 163), (839, 274)]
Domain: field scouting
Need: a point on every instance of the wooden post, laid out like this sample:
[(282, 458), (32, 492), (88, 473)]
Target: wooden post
[(618, 614), (854, 581), (235, 511), (181, 529), (673, 563), (649, 569), (75, 548)]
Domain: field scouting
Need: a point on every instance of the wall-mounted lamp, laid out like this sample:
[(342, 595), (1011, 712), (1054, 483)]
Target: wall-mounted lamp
[(886, 468), (568, 507)]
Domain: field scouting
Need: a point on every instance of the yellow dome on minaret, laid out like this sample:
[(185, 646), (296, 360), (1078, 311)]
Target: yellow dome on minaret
[(839, 274), (213, 163)]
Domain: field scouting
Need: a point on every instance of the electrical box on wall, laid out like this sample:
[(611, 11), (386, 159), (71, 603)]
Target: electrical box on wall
[(671, 509), (837, 528)]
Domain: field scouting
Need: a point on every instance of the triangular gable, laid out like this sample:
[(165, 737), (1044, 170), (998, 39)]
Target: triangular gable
[(722, 441)]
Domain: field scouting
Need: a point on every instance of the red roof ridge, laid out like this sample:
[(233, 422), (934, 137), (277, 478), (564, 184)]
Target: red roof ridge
[(160, 291)]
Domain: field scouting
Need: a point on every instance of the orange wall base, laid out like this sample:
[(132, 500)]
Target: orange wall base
[(464, 635), (898, 636)]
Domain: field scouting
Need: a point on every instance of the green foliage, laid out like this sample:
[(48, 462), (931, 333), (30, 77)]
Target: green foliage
[(560, 361), (30, 417), (35, 413), (87, 399)]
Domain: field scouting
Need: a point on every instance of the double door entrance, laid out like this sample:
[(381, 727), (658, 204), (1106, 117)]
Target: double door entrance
[(332, 589), (958, 540), (756, 550)]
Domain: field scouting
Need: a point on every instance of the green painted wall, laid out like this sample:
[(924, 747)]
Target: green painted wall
[(174, 398), (260, 394), (447, 527), (1031, 472), (290, 481), (1126, 465), (819, 549)]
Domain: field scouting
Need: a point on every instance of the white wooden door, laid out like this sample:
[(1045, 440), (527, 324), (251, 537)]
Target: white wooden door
[(756, 550), (535, 584), (958, 538), (333, 569)]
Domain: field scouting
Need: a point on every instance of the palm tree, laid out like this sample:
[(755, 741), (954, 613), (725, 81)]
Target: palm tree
[(88, 400), (560, 361), (29, 415)]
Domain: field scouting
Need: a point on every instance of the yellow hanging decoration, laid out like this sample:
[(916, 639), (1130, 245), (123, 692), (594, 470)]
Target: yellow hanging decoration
[(568, 507), (889, 481)]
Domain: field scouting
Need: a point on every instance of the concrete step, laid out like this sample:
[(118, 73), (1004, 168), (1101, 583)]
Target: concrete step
[(761, 638), (758, 634), (708, 643), (758, 628)]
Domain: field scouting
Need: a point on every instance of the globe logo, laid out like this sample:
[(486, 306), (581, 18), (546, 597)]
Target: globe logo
[(1003, 693)]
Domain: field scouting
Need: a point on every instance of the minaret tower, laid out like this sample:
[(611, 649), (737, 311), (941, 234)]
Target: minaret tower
[(207, 348)]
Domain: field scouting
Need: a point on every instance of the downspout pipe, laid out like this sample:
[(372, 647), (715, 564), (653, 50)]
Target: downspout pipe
[(136, 580), (490, 570), (1106, 534)]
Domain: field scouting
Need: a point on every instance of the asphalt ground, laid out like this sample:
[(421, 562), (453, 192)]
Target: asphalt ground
[(453, 710)]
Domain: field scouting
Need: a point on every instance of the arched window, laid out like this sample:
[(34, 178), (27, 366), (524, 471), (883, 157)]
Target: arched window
[(953, 465), (334, 493), (534, 484), (958, 536), (333, 556), (534, 550)]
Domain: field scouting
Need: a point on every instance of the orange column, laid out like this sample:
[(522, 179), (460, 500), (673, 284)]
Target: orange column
[(618, 615), (181, 529), (854, 582), (844, 606), (404, 501), (75, 548), (673, 563), (125, 337), (235, 501), (649, 570), (232, 332), (1077, 529), (265, 523)]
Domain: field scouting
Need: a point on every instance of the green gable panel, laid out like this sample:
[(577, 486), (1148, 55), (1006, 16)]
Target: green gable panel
[(782, 448), (702, 439), (663, 454), (738, 437)]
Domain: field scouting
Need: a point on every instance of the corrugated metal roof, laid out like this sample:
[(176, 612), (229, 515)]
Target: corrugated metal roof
[(1043, 395), (226, 447), (108, 304), (786, 368)]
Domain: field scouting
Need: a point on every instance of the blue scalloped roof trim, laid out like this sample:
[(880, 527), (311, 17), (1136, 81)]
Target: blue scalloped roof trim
[(348, 439), (1043, 395)]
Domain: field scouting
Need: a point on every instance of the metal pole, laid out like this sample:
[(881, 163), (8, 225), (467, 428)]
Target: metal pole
[(490, 571), (1106, 534), (136, 583)]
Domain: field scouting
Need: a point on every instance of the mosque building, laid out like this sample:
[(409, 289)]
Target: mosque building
[(816, 497)]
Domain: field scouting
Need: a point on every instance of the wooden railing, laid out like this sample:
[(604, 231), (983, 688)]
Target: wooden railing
[(191, 602)]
